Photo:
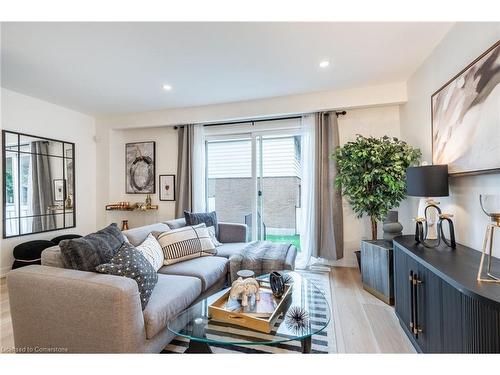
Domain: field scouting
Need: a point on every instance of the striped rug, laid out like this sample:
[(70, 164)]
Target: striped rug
[(322, 343)]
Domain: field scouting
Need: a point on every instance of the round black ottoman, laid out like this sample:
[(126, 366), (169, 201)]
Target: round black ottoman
[(58, 239), (29, 252)]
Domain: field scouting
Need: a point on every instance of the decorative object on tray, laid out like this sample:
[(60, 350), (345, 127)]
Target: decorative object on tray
[(259, 315), (430, 181), (380, 163), (490, 204), (392, 227), (140, 168), (465, 117), (243, 289), (167, 187), (277, 284), (297, 318)]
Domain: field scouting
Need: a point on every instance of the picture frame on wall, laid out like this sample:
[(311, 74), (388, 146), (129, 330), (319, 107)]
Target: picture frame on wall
[(140, 167), (465, 118), (58, 190), (167, 187)]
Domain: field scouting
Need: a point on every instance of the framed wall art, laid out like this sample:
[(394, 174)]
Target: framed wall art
[(167, 187), (466, 118), (140, 168)]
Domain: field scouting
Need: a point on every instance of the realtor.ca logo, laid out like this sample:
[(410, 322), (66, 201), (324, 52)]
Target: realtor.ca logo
[(33, 349)]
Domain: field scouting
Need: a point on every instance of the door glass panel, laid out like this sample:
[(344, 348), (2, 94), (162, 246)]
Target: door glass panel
[(280, 176), (229, 175)]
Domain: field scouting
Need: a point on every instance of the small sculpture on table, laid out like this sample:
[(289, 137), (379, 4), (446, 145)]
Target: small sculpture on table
[(243, 289)]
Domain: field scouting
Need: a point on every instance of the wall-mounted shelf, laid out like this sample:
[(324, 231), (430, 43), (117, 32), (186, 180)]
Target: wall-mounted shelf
[(132, 207)]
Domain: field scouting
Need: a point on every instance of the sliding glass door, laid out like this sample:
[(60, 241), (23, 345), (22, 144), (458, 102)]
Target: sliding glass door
[(255, 178)]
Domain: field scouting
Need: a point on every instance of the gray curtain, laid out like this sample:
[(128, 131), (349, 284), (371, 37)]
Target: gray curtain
[(329, 218), (41, 180), (184, 179)]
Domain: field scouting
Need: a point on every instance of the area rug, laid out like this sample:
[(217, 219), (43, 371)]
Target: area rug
[(322, 343)]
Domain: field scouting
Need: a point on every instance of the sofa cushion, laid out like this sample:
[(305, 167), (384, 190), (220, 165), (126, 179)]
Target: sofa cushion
[(86, 253), (185, 243), (208, 269), (171, 295), (176, 223), (226, 250), (129, 262), (136, 236), (52, 257), (208, 218)]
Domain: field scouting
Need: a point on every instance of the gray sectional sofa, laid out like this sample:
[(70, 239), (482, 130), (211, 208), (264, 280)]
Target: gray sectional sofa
[(87, 312)]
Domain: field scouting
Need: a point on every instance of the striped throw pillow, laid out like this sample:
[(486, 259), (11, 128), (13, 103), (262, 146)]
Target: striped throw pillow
[(186, 243)]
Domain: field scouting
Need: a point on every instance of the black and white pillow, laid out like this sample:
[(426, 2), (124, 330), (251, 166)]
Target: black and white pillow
[(186, 243), (129, 262)]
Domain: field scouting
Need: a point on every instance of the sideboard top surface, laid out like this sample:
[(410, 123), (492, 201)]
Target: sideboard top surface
[(457, 266)]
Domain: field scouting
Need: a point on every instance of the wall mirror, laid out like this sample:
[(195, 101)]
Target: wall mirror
[(38, 184)]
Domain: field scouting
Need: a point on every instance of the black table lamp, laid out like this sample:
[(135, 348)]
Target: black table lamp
[(430, 181)]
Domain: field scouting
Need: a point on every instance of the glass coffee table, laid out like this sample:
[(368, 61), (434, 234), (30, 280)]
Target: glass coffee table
[(305, 313)]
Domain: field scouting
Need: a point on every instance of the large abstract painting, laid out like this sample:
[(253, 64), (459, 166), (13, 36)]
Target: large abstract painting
[(140, 168), (466, 118)]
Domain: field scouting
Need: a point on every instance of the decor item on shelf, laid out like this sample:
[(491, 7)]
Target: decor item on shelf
[(167, 187), (140, 168), (392, 227), (297, 318), (127, 206), (148, 201), (277, 283), (490, 204), (371, 174), (243, 289), (69, 202), (125, 225), (465, 117), (430, 181)]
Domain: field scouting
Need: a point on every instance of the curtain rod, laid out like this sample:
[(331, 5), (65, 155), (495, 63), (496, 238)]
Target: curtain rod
[(338, 113)]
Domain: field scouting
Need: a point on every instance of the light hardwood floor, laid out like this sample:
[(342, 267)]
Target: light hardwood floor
[(361, 322)]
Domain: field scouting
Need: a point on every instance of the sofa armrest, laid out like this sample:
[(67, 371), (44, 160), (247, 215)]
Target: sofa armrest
[(291, 255), (232, 232), (74, 311)]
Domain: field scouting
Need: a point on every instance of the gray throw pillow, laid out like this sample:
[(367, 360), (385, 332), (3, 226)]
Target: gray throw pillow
[(209, 218), (129, 262), (86, 253)]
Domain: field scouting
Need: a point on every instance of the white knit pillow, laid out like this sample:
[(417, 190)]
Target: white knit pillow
[(186, 243), (152, 251)]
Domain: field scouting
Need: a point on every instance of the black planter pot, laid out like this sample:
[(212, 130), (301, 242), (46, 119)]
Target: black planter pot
[(358, 258)]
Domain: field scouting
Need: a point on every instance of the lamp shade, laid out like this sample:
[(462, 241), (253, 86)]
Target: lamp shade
[(427, 181)]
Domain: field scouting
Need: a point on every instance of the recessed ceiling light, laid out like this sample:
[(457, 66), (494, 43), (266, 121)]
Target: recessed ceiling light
[(166, 87), (324, 64)]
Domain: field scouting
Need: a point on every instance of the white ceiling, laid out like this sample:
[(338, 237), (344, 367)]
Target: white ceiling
[(111, 68)]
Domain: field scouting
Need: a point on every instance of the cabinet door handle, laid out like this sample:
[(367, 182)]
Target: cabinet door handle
[(416, 326), (412, 311)]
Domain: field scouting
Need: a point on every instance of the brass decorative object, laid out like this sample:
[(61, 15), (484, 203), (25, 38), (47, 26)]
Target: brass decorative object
[(490, 204)]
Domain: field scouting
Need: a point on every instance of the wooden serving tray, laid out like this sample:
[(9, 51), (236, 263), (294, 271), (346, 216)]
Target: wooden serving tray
[(217, 312)]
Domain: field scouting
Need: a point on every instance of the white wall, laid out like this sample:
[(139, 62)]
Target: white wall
[(166, 163), (376, 122), (464, 43), (32, 116)]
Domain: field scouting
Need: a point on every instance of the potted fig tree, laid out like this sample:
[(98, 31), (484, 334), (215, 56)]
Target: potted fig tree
[(371, 175)]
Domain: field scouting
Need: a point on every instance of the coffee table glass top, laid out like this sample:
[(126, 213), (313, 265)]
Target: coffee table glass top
[(195, 324)]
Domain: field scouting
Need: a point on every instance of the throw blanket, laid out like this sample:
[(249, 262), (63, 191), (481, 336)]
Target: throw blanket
[(261, 257)]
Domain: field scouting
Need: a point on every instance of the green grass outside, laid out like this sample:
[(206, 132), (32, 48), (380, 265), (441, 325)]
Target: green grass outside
[(294, 240)]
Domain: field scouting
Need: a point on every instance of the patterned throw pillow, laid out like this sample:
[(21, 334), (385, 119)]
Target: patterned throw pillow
[(152, 251), (129, 262), (211, 232), (209, 218), (186, 243)]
